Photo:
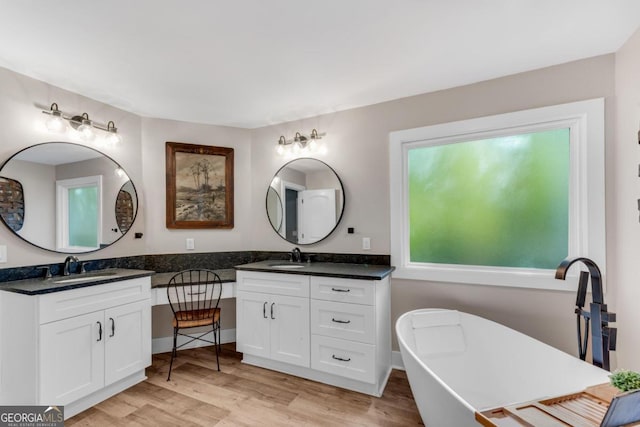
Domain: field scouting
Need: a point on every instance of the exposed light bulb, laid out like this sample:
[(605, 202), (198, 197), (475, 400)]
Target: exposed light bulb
[(55, 123), (86, 132), (280, 149), (313, 145), (84, 129), (113, 139)]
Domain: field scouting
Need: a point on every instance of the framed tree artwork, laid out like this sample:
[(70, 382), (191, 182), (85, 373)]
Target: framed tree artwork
[(199, 181)]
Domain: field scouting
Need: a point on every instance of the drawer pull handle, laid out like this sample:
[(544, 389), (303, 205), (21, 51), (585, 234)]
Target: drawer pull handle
[(340, 290), (196, 293), (264, 310), (113, 327), (340, 321), (340, 358), (272, 304), (99, 331)]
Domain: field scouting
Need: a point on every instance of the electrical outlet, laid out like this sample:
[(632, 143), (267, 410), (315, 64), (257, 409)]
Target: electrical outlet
[(366, 243), (3, 254), (191, 245)]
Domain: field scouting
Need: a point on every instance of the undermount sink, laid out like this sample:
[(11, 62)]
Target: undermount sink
[(84, 278), (287, 266)]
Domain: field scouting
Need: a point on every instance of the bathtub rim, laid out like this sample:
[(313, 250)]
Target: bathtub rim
[(403, 344)]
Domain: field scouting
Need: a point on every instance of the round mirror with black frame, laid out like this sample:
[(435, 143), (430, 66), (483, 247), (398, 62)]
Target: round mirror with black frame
[(71, 197), (305, 201)]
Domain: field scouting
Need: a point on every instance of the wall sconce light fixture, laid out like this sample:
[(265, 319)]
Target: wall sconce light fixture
[(301, 144), (81, 124)]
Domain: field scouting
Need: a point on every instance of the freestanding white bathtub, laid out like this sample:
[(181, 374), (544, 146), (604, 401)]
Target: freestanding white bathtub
[(458, 363)]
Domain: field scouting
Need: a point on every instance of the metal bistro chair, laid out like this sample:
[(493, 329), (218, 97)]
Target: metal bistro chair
[(194, 296)]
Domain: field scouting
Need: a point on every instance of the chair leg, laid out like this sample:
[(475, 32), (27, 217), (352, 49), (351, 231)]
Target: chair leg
[(174, 351), (216, 342)]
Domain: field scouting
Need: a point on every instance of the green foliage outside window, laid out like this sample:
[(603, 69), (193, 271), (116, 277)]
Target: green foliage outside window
[(500, 202)]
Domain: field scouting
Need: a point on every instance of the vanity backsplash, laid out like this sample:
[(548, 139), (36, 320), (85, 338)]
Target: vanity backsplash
[(176, 262)]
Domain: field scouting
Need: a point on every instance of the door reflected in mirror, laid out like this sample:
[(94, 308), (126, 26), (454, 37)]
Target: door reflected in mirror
[(73, 197), (305, 201)]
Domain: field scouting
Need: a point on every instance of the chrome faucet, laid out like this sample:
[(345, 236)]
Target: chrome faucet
[(603, 336), (296, 255), (67, 261)]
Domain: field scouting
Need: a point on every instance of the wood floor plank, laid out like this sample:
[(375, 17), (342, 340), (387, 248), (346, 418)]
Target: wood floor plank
[(151, 416), (244, 395)]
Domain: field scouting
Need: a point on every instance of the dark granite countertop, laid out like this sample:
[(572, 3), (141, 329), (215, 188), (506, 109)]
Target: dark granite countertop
[(327, 269), (64, 283), (161, 280)]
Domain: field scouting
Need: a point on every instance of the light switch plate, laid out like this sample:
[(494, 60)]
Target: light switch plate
[(3, 254), (190, 244), (366, 243)]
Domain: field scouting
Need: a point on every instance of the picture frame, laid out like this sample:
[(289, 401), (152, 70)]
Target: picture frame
[(199, 186)]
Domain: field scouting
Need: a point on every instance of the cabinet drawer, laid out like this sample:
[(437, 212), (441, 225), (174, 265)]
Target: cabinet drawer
[(343, 290), (74, 302), (341, 320), (273, 283), (345, 358)]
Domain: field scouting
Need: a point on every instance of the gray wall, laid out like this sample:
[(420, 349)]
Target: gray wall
[(358, 148), (357, 141)]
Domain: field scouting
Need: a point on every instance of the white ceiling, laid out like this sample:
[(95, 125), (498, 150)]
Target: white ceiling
[(250, 63)]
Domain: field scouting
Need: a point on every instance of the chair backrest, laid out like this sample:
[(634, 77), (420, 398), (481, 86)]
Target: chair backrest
[(194, 291)]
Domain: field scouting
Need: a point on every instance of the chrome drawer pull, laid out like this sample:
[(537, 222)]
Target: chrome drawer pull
[(264, 310), (340, 358), (340, 290), (340, 321), (99, 331), (196, 293)]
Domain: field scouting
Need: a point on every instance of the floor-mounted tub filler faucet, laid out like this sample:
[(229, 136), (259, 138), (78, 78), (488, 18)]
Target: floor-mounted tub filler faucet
[(296, 255), (603, 337)]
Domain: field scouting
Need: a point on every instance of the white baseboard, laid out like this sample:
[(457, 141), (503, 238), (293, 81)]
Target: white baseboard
[(396, 360), (165, 344)]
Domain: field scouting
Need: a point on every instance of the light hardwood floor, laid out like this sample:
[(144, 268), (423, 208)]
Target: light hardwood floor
[(244, 395)]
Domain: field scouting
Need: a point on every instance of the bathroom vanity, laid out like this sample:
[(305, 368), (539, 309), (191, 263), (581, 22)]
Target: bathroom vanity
[(75, 340), (328, 322)]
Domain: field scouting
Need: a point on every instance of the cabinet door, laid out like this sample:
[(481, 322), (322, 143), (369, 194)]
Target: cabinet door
[(71, 358), (289, 329), (128, 340), (252, 323)]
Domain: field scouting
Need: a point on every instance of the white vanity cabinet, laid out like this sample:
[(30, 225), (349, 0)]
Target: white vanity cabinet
[(350, 330), (333, 330), (272, 316), (76, 347)]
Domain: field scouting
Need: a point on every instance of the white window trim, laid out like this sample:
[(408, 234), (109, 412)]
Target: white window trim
[(586, 193)]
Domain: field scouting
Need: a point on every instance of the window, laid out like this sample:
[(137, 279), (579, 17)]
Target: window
[(499, 200), (79, 214)]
